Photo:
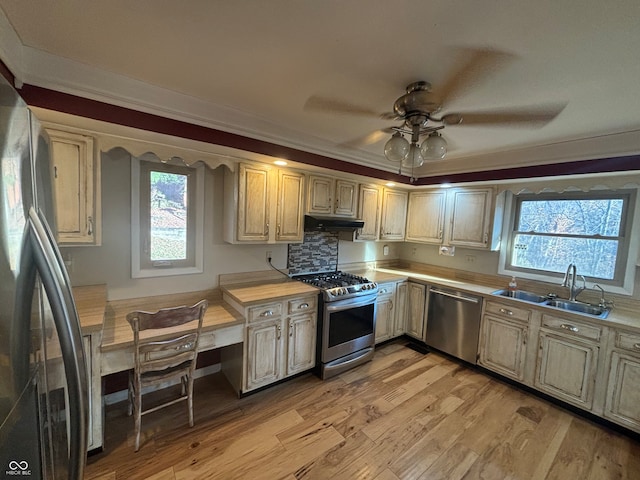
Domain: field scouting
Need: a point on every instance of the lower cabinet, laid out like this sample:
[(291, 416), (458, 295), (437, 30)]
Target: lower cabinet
[(503, 339), (416, 308), (622, 404), (567, 362), (400, 324), (280, 341), (91, 343), (385, 321)]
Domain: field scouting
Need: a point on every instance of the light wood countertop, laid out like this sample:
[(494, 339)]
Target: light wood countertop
[(249, 294), (117, 332), (91, 301)]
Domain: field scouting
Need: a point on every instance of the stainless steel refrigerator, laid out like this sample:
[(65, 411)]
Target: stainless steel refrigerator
[(43, 379)]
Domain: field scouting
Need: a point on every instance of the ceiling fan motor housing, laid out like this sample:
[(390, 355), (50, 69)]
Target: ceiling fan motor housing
[(416, 105)]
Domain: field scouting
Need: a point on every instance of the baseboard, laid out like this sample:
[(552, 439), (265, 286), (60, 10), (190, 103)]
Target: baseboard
[(122, 395)]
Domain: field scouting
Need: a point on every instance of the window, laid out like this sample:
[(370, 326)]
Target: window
[(547, 232), (167, 219)]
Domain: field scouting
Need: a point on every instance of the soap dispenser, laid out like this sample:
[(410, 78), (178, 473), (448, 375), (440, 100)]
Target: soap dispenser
[(513, 284)]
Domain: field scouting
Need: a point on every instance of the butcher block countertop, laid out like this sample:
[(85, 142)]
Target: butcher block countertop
[(117, 332), (91, 302), (255, 293)]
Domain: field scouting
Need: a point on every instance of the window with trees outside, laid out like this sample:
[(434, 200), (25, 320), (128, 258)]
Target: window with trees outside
[(168, 213), (591, 230)]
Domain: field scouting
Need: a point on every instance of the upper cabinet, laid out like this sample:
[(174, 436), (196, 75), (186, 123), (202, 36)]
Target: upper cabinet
[(332, 196), (425, 216), (263, 205), (76, 187), (369, 205), (461, 217), (394, 214)]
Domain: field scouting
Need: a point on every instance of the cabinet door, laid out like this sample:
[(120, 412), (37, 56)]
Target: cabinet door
[(264, 353), (290, 206), (320, 195), (400, 321), (623, 392), (566, 368), (346, 198), (75, 178), (425, 216), (369, 212), (417, 307), (384, 318), (470, 217), (301, 354), (394, 215), (253, 203), (503, 346)]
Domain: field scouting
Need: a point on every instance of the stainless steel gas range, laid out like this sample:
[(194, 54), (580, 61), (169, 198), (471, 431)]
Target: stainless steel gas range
[(346, 320)]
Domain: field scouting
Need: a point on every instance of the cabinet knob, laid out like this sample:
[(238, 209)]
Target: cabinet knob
[(267, 313), (303, 305), (90, 226), (505, 311), (636, 346), (279, 331)]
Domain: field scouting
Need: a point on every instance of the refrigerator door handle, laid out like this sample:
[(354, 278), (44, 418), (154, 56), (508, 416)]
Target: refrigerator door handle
[(56, 282)]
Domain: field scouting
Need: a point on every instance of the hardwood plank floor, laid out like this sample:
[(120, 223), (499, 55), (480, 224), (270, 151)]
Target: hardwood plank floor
[(404, 415)]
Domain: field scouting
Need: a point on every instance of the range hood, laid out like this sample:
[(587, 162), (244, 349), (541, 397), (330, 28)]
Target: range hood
[(330, 224)]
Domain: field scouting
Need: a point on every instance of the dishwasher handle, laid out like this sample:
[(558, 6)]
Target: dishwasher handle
[(455, 295)]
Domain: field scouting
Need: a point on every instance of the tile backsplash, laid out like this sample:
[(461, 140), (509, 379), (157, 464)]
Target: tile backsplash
[(318, 253)]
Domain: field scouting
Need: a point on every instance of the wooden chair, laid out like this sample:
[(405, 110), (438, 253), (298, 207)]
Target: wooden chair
[(160, 358)]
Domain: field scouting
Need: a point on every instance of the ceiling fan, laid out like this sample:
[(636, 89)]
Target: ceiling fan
[(419, 110)]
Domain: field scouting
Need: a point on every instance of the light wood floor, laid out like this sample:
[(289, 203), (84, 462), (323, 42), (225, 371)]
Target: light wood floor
[(402, 416)]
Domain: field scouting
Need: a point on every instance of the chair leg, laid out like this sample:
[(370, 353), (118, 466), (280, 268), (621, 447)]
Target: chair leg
[(130, 395), (190, 398), (137, 407)]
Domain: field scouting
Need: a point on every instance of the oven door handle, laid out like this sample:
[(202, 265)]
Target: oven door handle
[(350, 303)]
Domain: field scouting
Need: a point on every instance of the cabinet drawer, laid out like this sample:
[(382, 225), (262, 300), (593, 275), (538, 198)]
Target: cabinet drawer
[(265, 312), (571, 327), (302, 305), (628, 341), (386, 289), (508, 311)]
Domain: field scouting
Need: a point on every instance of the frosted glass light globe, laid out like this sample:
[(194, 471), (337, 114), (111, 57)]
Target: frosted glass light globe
[(434, 147), (397, 148), (414, 159)]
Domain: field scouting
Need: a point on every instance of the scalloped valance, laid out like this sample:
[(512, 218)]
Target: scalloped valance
[(584, 183)]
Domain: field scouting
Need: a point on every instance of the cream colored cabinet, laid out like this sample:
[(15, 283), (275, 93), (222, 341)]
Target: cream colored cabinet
[(425, 216), (302, 333), (459, 217), (417, 306), (91, 344), (369, 204), (76, 186), (394, 215), (263, 205), (264, 353), (331, 196), (470, 218), (280, 340), (503, 339), (400, 322), (385, 313), (622, 403), (566, 366)]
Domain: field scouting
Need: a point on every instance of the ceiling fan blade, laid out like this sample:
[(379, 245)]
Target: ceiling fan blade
[(369, 139), (472, 68), (332, 105), (530, 117)]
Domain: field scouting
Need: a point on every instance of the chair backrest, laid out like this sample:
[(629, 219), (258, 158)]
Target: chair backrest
[(156, 355)]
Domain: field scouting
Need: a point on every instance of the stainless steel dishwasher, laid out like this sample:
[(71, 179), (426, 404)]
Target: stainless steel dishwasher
[(453, 323)]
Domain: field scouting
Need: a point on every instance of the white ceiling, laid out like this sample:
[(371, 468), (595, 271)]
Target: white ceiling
[(250, 66)]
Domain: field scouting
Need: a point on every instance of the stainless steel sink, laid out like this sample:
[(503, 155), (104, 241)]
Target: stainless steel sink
[(579, 307), (521, 295)]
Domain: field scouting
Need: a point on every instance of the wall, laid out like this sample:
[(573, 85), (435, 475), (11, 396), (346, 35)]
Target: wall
[(111, 262)]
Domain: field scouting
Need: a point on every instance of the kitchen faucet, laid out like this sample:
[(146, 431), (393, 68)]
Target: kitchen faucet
[(570, 282)]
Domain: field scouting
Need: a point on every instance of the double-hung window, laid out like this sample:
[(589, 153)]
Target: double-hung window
[(167, 219), (547, 232)]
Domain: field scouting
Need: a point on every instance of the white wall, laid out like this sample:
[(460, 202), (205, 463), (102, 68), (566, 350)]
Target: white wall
[(111, 262)]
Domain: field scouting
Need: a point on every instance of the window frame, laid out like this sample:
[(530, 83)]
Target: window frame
[(626, 257), (141, 265)]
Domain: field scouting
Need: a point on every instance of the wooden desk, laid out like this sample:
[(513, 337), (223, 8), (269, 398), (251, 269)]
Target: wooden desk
[(222, 326)]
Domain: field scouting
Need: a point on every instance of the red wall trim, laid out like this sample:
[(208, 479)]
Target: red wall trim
[(6, 73), (63, 102)]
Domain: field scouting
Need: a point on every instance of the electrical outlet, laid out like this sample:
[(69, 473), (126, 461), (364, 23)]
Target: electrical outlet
[(269, 256), (470, 258), (413, 251)]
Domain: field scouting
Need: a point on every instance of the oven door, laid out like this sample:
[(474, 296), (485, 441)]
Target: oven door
[(348, 326)]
